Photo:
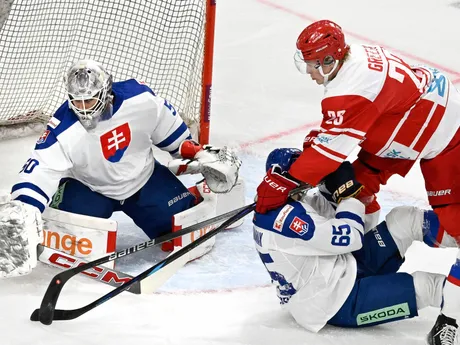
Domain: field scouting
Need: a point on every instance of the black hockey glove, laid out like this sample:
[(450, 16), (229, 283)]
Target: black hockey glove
[(342, 183)]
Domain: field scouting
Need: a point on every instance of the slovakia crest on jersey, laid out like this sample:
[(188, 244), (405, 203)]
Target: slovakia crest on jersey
[(299, 226), (43, 137), (115, 142)]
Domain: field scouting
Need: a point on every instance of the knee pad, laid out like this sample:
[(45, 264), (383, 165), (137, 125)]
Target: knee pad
[(405, 224)]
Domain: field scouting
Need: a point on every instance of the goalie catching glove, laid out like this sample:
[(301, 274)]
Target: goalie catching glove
[(21, 230), (219, 166)]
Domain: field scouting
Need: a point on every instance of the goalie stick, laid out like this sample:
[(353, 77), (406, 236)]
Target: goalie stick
[(112, 277), (100, 273), (47, 313), (61, 260)]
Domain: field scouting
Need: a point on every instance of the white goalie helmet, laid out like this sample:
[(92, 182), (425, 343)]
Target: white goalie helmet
[(89, 92)]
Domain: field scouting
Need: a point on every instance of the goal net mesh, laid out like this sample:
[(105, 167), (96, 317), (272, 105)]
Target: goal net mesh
[(160, 42)]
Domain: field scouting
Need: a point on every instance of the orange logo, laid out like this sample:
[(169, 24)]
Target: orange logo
[(67, 243)]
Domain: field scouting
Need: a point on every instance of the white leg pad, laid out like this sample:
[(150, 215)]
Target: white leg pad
[(232, 200), (79, 235), (204, 210)]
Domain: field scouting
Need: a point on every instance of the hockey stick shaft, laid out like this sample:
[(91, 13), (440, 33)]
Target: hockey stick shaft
[(60, 314), (46, 311), (64, 276)]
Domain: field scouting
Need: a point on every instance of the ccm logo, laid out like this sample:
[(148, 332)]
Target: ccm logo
[(68, 243), (97, 272), (274, 185)]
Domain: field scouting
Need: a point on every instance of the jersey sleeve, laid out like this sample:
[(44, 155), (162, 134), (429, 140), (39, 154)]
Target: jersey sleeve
[(309, 234), (39, 178), (346, 119), (170, 130)]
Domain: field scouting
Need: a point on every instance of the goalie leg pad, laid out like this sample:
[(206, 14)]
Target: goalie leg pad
[(79, 235), (204, 210), (20, 233)]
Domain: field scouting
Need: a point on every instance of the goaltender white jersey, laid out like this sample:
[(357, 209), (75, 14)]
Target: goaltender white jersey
[(306, 247), (114, 159)]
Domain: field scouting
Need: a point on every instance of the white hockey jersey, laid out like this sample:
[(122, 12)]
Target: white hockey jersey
[(114, 159), (306, 247)]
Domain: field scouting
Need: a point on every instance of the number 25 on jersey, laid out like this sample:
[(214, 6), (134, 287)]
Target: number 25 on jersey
[(335, 118)]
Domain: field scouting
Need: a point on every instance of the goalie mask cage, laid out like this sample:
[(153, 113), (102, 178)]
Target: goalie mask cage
[(168, 44)]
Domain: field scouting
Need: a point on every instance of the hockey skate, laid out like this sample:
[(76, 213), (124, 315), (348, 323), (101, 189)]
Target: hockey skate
[(444, 331)]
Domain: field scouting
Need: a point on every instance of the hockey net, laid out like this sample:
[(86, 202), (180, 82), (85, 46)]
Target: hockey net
[(167, 44)]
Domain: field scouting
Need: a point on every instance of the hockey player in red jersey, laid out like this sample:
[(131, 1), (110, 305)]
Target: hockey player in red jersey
[(397, 114)]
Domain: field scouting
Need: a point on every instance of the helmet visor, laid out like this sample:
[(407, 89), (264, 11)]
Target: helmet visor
[(302, 65)]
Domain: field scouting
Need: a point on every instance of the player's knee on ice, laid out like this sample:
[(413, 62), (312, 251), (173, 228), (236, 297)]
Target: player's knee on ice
[(405, 226)]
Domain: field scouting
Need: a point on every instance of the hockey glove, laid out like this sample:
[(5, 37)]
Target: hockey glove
[(342, 183), (274, 190), (219, 166)]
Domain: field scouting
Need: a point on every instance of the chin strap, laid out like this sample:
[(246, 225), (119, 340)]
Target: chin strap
[(326, 76)]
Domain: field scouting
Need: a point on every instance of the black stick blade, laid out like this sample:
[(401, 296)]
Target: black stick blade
[(45, 317), (35, 315), (46, 314)]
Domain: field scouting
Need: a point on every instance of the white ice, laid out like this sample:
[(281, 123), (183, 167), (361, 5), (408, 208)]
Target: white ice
[(259, 102)]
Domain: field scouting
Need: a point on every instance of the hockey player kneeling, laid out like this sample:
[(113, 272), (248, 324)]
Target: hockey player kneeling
[(326, 271), (95, 158)]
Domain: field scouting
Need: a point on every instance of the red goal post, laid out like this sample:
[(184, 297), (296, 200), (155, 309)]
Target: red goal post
[(168, 44)]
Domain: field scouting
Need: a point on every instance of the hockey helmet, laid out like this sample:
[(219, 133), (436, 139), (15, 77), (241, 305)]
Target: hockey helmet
[(284, 157), (322, 41), (89, 91)]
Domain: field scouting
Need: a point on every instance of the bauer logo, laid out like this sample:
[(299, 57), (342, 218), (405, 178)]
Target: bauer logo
[(67, 243), (376, 316), (439, 192), (115, 142)]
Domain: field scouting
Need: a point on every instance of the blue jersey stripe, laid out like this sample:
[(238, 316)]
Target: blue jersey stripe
[(174, 136), (266, 258), (31, 201), (350, 215), (174, 151), (31, 186)]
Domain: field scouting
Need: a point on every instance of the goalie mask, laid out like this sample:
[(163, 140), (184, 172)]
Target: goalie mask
[(89, 90)]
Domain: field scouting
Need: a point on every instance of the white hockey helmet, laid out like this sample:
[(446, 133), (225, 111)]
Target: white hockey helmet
[(89, 92)]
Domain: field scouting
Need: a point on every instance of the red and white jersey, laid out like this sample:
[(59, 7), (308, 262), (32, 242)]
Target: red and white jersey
[(390, 109)]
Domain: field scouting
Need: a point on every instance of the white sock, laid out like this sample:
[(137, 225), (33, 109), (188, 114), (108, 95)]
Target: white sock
[(428, 289), (451, 306)]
